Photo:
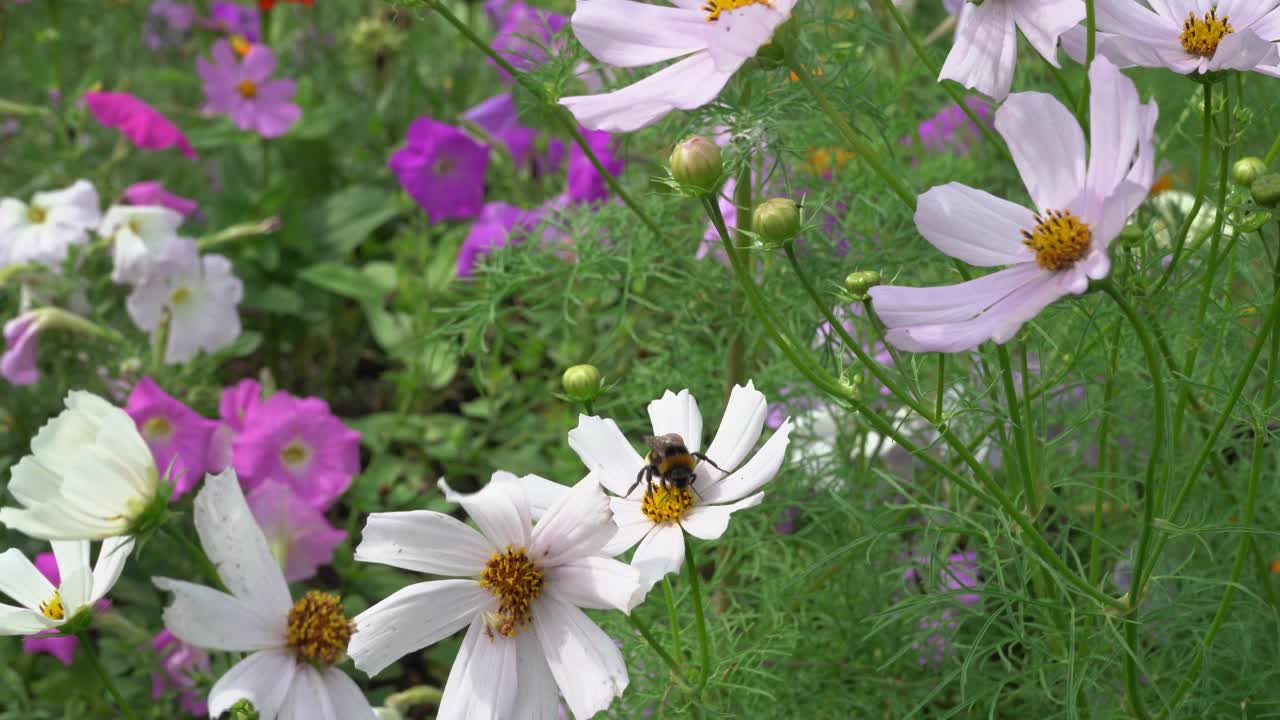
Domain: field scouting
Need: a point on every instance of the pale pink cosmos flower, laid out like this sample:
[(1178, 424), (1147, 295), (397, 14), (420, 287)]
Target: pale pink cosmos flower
[(986, 46), (244, 90), (1191, 36), (300, 537), (518, 588), (711, 44), (1054, 250)]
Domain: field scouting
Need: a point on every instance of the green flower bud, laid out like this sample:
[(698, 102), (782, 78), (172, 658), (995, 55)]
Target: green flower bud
[(1266, 190), (581, 382), (859, 283), (243, 710), (1131, 236), (776, 220), (696, 164), (1253, 222), (1247, 170)]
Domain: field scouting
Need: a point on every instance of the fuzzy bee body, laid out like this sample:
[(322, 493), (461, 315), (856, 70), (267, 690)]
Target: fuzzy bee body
[(670, 462)]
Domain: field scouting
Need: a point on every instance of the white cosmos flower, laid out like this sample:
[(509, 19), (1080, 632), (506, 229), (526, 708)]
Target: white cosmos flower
[(290, 672), (200, 293), (659, 520), (89, 476), (712, 44), (139, 234), (519, 592), (47, 607), (1191, 36), (42, 231)]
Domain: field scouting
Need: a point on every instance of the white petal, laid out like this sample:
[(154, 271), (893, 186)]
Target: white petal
[(543, 494), (758, 471), (20, 580), (606, 452), (536, 692), (21, 621), (307, 698), (577, 526), (348, 701), (597, 583), (631, 34), (1047, 146), (586, 664), (677, 413), (424, 541), (236, 546), (412, 619), (898, 306), (499, 509), (974, 226), (632, 526), (482, 682), (72, 557), (263, 678), (687, 84), (111, 558), (1242, 51), (1114, 132), (660, 553), (739, 431), (710, 521), (214, 620), (985, 50), (1043, 22)]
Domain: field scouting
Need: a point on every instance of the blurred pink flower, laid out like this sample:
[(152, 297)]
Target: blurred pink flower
[(153, 192), (299, 535), (442, 169), (177, 435), (18, 364), (245, 91), (178, 661), (142, 124)]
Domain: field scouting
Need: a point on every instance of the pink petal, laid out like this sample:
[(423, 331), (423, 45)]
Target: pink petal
[(1047, 146), (974, 226), (985, 50)]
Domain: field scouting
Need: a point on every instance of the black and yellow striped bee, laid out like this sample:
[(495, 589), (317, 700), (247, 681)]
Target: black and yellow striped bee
[(670, 461)]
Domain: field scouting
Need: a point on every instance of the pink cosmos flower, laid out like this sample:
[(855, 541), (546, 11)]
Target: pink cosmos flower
[(178, 661), (18, 364), (153, 192), (1082, 202), (300, 443), (1191, 36), (986, 45), (142, 124), (300, 537), (62, 647), (712, 45), (177, 435), (245, 91), (442, 169)]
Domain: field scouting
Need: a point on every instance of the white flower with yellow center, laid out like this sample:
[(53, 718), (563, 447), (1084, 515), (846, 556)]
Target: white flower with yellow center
[(45, 607), (42, 230), (89, 476), (294, 646), (519, 590), (656, 515), (139, 235)]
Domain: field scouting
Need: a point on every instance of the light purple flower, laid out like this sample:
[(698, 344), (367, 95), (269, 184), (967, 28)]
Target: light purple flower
[(1191, 36), (235, 19), (1082, 202), (245, 91), (524, 35), (442, 169), (178, 662), (951, 130), (498, 224), (300, 443), (986, 45), (300, 537), (177, 435), (168, 24), (586, 185), (18, 364), (957, 578), (153, 192), (201, 296), (497, 116), (145, 126)]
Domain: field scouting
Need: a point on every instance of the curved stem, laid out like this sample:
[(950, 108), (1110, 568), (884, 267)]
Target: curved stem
[(1021, 439), (704, 641), (647, 633), (1202, 182), (86, 644), (673, 617)]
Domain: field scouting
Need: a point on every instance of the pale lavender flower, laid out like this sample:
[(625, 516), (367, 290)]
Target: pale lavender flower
[(300, 537), (18, 364), (245, 91), (951, 130)]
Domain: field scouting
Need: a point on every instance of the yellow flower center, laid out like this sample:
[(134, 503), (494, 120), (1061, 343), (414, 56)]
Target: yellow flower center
[(248, 89), (180, 296), (37, 215), (713, 8), (157, 427), (1060, 240), (516, 581), (318, 628), (1200, 36), (240, 45), (52, 608), (664, 503), (295, 454)]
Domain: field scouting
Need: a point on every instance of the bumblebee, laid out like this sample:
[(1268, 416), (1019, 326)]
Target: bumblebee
[(670, 461)]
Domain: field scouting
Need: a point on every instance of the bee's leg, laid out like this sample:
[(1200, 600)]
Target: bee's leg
[(646, 473), (708, 460)]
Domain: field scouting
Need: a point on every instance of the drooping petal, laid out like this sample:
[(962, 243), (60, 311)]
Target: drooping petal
[(974, 226), (659, 553), (424, 541), (263, 678), (898, 306), (236, 546), (985, 50), (710, 521), (1047, 146), (759, 470), (677, 413), (739, 430), (111, 558), (1044, 21), (597, 583), (578, 526), (606, 453), (214, 620), (499, 510), (586, 664), (483, 681), (413, 618), (623, 33), (1242, 51), (690, 83)]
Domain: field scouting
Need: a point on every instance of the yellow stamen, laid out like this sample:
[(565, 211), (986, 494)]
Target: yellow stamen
[(664, 503), (241, 45), (1200, 36), (1060, 240), (248, 89), (52, 608), (713, 8), (318, 629), (295, 453), (157, 427), (180, 296), (516, 581), (37, 215)]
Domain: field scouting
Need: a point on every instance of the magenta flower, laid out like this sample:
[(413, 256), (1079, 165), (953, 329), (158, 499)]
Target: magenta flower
[(498, 224), (152, 192), (18, 364), (299, 535), (300, 443), (586, 185), (524, 35), (497, 116), (236, 19), (245, 91), (1082, 202), (177, 435), (442, 169), (986, 46), (237, 402), (1191, 36), (145, 127), (951, 130), (178, 662), (62, 647)]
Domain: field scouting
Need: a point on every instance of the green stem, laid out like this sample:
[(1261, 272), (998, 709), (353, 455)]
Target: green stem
[(86, 644), (197, 555), (1104, 440), (647, 633), (942, 375), (673, 617), (704, 640), (566, 120), (1271, 154), (1091, 50), (1020, 439), (1202, 183)]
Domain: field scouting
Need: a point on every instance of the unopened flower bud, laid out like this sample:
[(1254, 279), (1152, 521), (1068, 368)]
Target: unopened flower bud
[(776, 220), (1247, 170), (858, 284), (581, 382), (696, 163), (1266, 190), (1131, 236)]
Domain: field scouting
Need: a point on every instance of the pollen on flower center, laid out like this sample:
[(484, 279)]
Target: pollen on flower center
[(248, 89), (37, 215), (1060, 240), (52, 608), (516, 581), (665, 503), (180, 296), (241, 45), (157, 427), (295, 454), (1200, 36), (714, 8), (318, 629)]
